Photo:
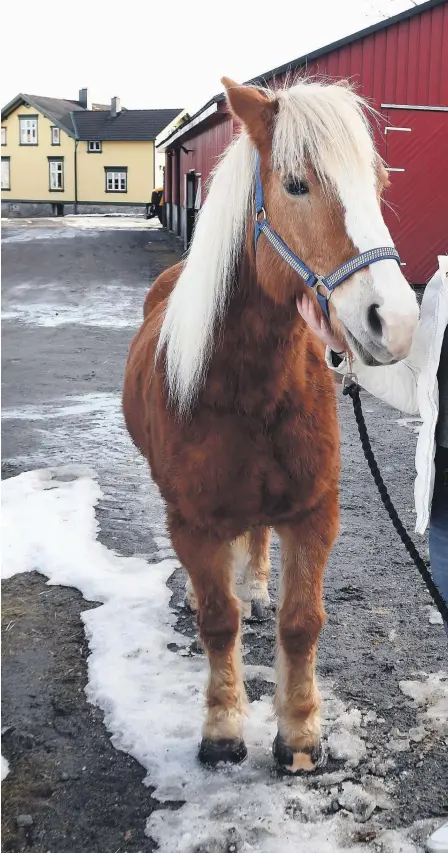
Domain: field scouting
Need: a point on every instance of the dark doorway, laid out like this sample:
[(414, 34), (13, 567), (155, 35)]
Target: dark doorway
[(190, 197)]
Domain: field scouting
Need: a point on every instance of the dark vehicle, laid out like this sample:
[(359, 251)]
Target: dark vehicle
[(156, 206)]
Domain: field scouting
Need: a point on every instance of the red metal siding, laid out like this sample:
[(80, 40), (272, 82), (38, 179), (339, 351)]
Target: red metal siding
[(206, 148), (402, 64), (418, 221)]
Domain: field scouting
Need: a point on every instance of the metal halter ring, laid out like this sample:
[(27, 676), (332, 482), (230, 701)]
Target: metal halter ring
[(320, 283)]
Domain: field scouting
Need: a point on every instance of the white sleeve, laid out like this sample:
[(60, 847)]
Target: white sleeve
[(396, 384)]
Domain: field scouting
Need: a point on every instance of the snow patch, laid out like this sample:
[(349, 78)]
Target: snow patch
[(5, 768), (83, 404), (113, 305), (55, 228), (434, 617), (431, 696), (152, 697), (413, 424), (344, 743)]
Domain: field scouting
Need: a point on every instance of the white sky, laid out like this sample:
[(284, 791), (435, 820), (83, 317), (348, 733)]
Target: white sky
[(56, 47)]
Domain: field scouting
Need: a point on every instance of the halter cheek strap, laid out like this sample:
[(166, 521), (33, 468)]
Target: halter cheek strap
[(322, 285)]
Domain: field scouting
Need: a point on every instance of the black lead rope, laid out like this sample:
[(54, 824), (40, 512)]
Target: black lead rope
[(352, 389)]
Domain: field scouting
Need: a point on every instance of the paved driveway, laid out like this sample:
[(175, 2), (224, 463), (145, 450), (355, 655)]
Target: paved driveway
[(72, 299)]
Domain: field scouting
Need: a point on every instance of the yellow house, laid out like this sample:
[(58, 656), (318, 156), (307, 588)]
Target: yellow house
[(60, 153)]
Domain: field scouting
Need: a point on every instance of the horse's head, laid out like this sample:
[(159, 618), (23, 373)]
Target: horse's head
[(322, 181)]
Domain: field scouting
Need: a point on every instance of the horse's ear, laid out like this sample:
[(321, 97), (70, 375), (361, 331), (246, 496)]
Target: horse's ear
[(253, 108)]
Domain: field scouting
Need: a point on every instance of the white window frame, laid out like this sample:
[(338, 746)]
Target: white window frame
[(28, 130), (56, 174), (55, 135), (116, 180), (6, 171), (4, 135), (94, 146)]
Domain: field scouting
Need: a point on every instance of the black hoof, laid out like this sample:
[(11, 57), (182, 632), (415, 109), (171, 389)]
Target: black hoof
[(260, 611), (308, 760), (211, 752)]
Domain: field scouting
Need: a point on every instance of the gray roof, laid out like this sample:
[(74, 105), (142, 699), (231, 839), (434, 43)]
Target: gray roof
[(127, 125), (98, 123), (57, 110)]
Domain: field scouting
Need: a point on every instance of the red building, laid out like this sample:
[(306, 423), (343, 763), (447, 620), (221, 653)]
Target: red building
[(401, 65)]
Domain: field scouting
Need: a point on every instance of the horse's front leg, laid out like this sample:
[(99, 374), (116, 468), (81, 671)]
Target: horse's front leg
[(209, 564), (306, 546)]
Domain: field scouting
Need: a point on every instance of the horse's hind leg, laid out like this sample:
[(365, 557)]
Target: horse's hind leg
[(306, 547), (209, 563), (256, 569)]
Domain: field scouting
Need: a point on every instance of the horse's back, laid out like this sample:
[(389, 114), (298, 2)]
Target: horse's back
[(140, 364), (161, 288)]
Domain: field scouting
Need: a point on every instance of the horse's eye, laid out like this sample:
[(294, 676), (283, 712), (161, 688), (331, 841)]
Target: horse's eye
[(295, 187)]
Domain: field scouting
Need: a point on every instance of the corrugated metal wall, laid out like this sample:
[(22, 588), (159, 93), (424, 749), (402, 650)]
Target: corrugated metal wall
[(404, 63), (207, 146)]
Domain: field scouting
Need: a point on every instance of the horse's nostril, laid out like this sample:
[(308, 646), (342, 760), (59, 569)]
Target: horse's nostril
[(374, 321)]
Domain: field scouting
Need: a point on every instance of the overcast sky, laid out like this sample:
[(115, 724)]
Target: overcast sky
[(165, 53)]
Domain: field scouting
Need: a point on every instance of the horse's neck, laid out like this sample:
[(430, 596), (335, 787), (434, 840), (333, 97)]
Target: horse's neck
[(259, 347), (254, 316)]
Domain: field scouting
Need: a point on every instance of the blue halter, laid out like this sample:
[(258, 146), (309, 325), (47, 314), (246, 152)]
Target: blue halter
[(318, 283)]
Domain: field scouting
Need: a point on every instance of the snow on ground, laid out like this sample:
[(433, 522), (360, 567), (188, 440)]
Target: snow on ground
[(70, 226), (413, 424), (152, 696), (431, 697), (113, 305), (4, 769)]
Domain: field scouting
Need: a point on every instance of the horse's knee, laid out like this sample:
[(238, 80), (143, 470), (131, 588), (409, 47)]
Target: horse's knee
[(219, 624), (298, 635)]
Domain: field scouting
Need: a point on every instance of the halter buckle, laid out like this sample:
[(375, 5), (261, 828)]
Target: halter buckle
[(320, 283), (261, 213)]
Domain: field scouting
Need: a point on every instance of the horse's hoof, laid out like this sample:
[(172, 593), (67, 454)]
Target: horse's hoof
[(308, 760), (258, 611), (211, 752)]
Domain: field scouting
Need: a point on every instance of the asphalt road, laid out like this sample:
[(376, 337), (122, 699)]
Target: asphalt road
[(72, 300)]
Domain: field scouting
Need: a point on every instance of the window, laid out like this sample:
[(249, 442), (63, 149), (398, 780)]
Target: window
[(6, 173), (116, 179), (56, 168), (28, 130), (3, 135), (55, 136), (94, 147)]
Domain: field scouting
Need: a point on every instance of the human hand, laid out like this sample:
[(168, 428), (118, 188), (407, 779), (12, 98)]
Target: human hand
[(318, 323)]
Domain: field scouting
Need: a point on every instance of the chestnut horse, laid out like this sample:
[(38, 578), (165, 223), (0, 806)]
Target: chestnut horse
[(228, 395)]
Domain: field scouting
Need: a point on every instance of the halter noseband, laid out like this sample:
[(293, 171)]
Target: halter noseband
[(323, 285)]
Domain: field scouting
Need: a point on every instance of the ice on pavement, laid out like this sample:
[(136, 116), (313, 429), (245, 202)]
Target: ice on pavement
[(153, 697), (5, 768)]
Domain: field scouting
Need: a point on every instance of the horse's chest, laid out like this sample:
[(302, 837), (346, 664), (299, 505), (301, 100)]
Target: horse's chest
[(239, 468)]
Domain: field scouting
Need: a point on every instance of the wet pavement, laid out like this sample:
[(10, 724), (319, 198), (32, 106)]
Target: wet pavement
[(72, 299)]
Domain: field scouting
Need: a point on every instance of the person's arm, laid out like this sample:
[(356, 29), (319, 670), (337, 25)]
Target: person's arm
[(396, 384)]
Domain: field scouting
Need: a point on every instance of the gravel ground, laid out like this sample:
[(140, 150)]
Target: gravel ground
[(71, 300)]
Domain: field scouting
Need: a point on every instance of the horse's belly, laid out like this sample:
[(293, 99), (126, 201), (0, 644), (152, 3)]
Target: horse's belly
[(236, 477)]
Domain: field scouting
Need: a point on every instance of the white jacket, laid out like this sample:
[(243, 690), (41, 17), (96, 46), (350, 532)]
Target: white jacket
[(411, 385)]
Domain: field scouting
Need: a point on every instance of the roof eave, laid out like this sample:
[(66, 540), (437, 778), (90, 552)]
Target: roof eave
[(307, 57), (22, 99), (98, 137)]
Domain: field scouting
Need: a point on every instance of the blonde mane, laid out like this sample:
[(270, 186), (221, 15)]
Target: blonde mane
[(319, 124)]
